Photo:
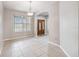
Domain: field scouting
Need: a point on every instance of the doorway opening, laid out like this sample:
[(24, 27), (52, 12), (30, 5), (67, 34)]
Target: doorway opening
[(42, 23), (41, 27)]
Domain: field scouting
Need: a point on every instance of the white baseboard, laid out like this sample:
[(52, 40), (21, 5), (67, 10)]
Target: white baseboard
[(60, 48), (13, 38)]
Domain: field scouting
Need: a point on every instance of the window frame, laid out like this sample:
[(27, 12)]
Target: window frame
[(23, 24)]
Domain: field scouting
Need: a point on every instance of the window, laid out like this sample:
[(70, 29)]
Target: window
[(21, 24)]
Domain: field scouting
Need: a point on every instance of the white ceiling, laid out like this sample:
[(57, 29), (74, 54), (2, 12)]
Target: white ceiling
[(43, 14), (24, 5)]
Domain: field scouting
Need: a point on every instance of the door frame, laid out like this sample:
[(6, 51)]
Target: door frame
[(42, 31)]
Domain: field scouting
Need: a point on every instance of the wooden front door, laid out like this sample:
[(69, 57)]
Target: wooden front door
[(41, 27)]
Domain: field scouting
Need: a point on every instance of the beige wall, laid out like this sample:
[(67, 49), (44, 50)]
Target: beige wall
[(53, 23), (69, 27), (63, 27), (1, 26), (8, 20)]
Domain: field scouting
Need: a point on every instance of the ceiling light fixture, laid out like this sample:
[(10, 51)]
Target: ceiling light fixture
[(30, 13)]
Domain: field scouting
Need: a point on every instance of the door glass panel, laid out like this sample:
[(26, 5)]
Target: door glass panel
[(39, 25)]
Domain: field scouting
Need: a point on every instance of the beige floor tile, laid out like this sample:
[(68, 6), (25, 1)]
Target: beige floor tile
[(54, 51), (44, 55), (30, 47)]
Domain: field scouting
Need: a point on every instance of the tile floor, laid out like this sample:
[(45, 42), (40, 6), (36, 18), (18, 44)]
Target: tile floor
[(26, 47), (54, 51), (30, 47)]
